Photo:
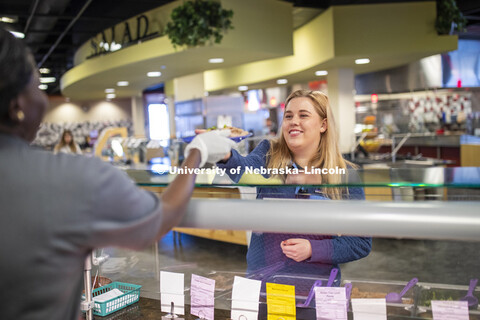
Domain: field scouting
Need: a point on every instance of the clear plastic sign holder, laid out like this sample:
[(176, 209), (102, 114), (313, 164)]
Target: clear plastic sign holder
[(171, 314)]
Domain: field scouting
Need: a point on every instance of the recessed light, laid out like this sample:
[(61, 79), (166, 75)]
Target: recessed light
[(44, 70), (122, 83), (111, 96), (242, 88), (42, 87), (8, 19), (115, 46), (47, 79), (19, 35), (154, 74), (362, 61), (216, 60), (109, 90), (321, 73), (282, 81)]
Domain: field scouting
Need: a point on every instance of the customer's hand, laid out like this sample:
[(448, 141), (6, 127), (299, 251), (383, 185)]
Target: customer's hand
[(297, 249), (213, 145), (227, 156)]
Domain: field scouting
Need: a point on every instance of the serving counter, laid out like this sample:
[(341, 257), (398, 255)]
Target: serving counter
[(434, 237)]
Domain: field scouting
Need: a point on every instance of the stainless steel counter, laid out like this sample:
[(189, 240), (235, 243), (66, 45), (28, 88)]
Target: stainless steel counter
[(430, 140)]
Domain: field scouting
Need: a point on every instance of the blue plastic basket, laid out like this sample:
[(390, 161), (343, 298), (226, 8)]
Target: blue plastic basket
[(131, 294)]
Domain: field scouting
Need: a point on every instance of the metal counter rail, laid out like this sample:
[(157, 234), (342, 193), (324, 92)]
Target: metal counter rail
[(420, 220)]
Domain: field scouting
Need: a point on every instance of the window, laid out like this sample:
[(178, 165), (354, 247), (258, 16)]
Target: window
[(159, 123)]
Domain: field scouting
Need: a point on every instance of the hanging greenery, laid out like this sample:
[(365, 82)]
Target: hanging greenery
[(449, 17), (198, 22)]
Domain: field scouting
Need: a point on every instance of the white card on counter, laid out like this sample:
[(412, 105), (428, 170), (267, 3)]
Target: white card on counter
[(202, 297), (245, 296), (245, 293), (171, 282), (450, 310), (244, 315), (114, 293), (331, 303), (369, 309), (171, 290)]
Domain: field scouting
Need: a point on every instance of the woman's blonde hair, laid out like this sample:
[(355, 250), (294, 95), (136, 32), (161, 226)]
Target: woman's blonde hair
[(328, 153), (62, 143)]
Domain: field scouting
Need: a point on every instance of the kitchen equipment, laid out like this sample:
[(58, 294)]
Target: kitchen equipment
[(470, 298), (394, 297), (317, 283), (333, 275), (348, 294)]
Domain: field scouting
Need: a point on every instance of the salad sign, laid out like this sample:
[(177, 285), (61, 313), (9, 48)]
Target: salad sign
[(104, 42)]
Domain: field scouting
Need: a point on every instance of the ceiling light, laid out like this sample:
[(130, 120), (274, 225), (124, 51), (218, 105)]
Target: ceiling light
[(109, 90), (242, 88), (115, 46), (215, 60), (47, 79), (362, 61), (122, 83), (111, 96), (321, 73), (154, 74), (19, 35), (282, 81), (8, 19), (163, 67), (42, 87), (44, 70)]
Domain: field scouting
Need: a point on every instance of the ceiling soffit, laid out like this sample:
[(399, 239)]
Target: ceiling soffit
[(388, 34), (256, 36)]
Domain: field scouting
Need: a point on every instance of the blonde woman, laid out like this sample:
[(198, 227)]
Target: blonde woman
[(67, 144), (307, 139)]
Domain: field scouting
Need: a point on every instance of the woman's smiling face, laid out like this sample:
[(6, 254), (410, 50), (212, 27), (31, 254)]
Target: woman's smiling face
[(302, 126)]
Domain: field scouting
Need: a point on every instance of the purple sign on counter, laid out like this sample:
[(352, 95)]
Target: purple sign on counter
[(202, 297), (450, 310)]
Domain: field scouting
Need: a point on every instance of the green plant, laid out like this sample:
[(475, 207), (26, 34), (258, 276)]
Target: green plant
[(196, 22), (449, 17)]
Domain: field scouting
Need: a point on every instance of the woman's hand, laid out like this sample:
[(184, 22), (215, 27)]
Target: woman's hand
[(297, 249)]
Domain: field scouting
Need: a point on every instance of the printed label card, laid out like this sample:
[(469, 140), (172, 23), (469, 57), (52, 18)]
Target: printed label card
[(172, 291), (281, 302), (245, 297), (450, 310), (369, 309), (202, 297), (331, 303)]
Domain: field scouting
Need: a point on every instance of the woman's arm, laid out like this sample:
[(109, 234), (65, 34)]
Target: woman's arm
[(255, 159), (340, 249)]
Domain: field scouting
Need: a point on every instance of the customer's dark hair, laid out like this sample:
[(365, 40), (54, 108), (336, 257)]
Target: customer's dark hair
[(16, 69)]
